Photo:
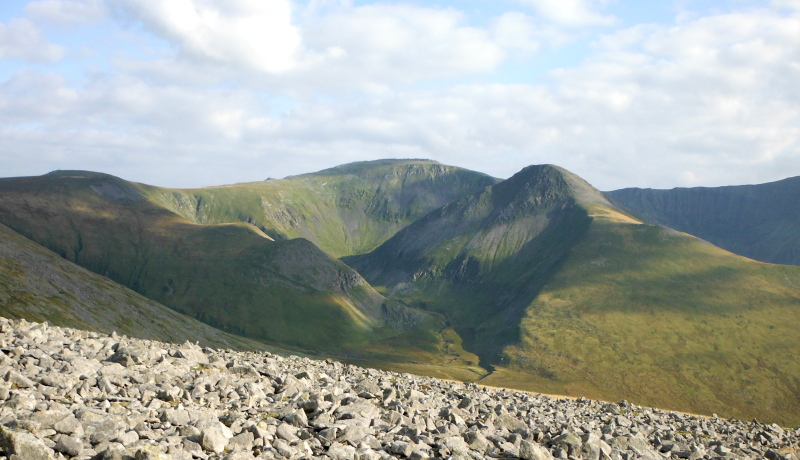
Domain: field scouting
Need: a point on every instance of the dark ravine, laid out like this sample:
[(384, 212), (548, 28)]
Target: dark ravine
[(74, 394), (761, 222)]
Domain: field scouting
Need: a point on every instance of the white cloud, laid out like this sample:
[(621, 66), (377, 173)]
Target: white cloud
[(516, 31), (250, 34), (790, 4), (66, 12), (333, 47), (385, 43), (707, 102), (21, 39), (572, 13)]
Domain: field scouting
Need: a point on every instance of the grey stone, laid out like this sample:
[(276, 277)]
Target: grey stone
[(24, 445), (533, 451), (69, 425), (339, 451), (69, 446), (213, 440)]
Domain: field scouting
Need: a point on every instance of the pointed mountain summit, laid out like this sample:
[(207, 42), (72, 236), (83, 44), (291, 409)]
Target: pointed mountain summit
[(497, 248), (540, 278), (558, 290)]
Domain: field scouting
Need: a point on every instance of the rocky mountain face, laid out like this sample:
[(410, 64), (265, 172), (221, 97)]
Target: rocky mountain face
[(761, 222), (82, 395)]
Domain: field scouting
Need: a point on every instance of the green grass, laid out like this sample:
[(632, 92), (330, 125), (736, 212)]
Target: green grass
[(346, 210), (37, 285), (566, 294), (644, 313), (230, 276)]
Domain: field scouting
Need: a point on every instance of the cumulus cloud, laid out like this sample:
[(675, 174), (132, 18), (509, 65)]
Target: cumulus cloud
[(253, 34), (327, 47), (401, 43), (710, 101), (571, 13), (21, 39)]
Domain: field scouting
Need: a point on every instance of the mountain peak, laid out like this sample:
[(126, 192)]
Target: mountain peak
[(365, 167), (547, 184)]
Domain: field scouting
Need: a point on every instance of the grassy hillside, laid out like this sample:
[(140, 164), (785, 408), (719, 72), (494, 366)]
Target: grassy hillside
[(482, 259), (230, 276), (561, 292), (646, 313), (345, 210), (37, 285), (761, 222), (541, 278)]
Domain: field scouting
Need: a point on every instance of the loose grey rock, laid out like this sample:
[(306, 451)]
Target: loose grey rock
[(213, 440), (69, 446), (24, 445), (83, 395)]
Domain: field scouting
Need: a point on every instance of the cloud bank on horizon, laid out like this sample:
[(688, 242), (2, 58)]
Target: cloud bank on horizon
[(200, 92)]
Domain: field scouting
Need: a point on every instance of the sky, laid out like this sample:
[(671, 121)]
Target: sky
[(190, 93)]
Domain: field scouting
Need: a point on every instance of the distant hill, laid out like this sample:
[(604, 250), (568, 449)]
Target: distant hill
[(558, 290), (38, 285), (233, 276), (230, 276), (349, 209), (761, 222)]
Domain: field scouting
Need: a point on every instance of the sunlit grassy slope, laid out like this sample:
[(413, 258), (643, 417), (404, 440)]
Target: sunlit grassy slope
[(560, 292), (646, 313), (345, 210), (232, 276)]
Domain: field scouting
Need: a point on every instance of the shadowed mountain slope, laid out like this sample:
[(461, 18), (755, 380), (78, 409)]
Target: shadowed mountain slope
[(561, 291), (349, 209), (232, 276), (38, 285), (761, 222)]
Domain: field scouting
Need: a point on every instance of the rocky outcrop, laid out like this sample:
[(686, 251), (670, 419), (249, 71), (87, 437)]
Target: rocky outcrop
[(68, 393)]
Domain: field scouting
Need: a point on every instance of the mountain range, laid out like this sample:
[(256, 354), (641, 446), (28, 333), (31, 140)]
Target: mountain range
[(536, 282)]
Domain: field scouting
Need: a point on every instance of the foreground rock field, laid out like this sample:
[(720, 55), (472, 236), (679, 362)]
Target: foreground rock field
[(82, 395)]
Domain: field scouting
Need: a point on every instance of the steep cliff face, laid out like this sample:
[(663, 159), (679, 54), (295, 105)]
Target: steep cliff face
[(761, 222)]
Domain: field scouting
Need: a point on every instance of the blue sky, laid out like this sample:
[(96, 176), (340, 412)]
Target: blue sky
[(199, 92)]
